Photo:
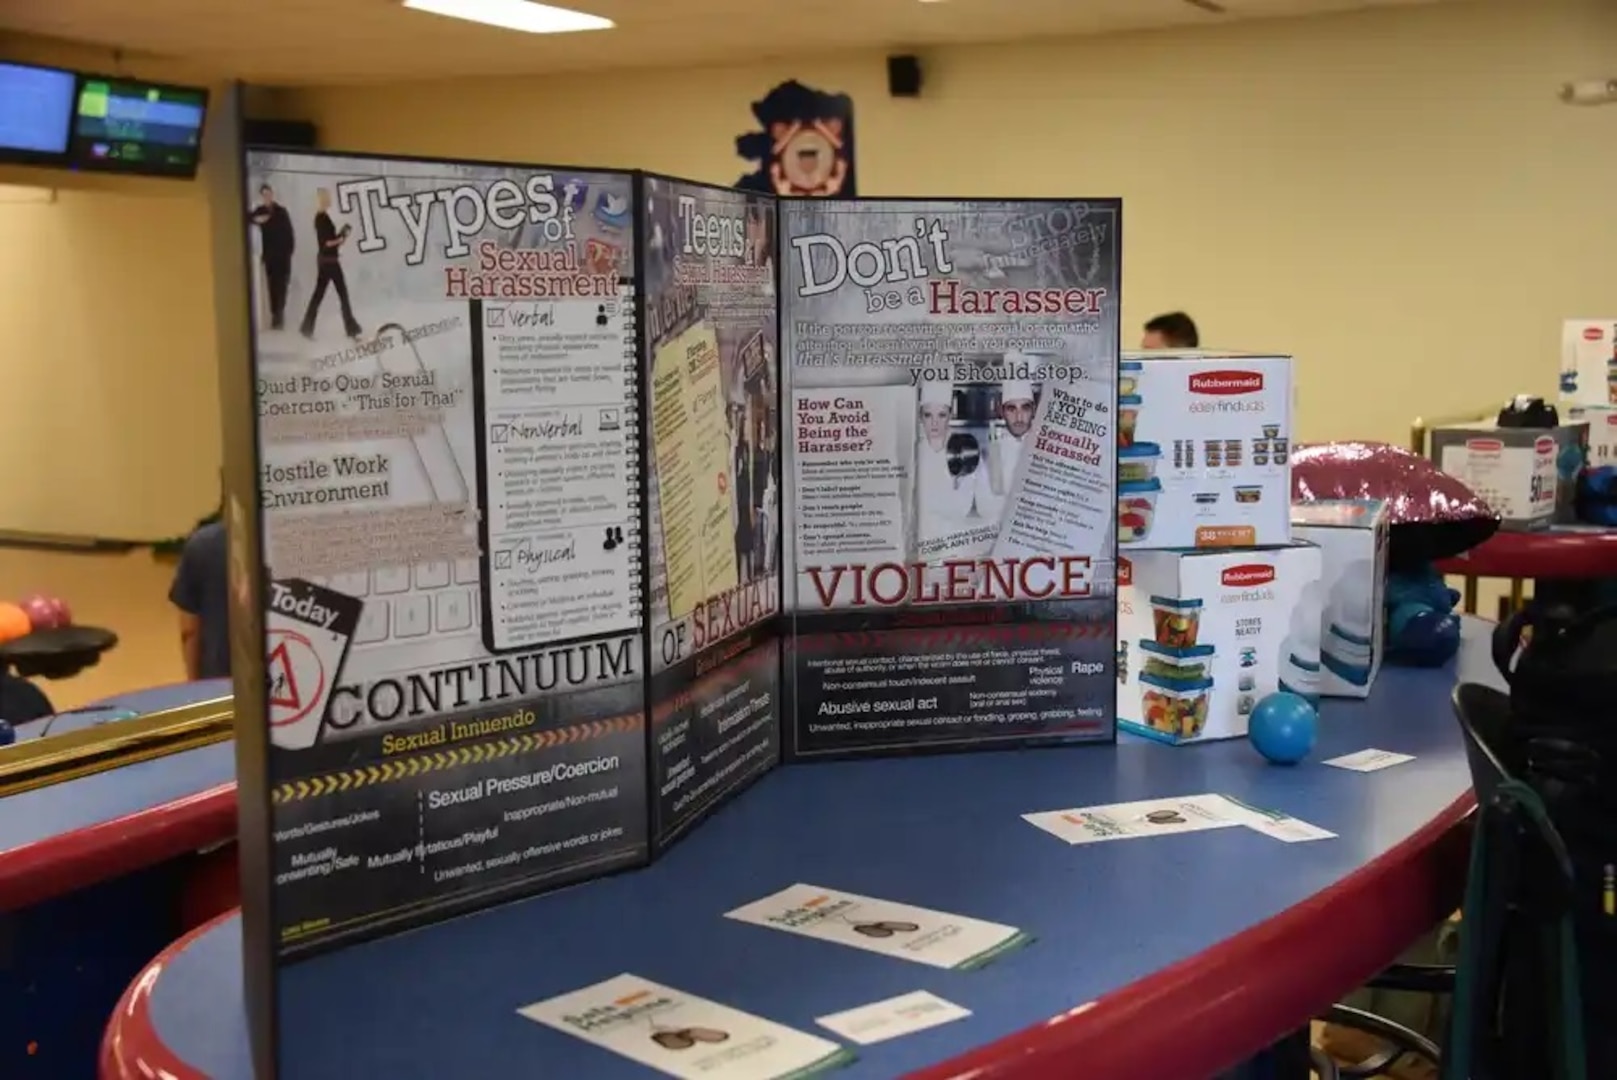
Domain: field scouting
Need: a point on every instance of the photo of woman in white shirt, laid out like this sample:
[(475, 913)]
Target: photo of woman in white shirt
[(951, 488)]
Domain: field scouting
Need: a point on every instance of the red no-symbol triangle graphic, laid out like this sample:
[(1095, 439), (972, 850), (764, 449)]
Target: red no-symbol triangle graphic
[(283, 681)]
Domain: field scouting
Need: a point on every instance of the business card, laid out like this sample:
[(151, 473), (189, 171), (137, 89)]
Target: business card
[(1275, 824), (920, 934), (685, 1036), (902, 1015), (1369, 760)]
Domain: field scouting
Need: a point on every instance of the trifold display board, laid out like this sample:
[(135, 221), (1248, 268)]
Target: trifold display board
[(548, 529)]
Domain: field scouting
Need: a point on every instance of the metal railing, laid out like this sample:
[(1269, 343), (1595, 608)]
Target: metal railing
[(36, 763)]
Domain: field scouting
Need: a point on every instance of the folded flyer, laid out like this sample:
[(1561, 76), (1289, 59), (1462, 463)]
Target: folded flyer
[(686, 1036), (920, 934), (1159, 817), (1130, 820)]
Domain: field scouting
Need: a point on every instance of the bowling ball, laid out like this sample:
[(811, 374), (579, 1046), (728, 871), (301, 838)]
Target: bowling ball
[(14, 623), (8, 734), (1283, 727), (46, 612)]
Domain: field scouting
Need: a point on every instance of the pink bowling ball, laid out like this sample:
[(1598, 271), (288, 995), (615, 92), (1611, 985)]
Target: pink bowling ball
[(46, 612)]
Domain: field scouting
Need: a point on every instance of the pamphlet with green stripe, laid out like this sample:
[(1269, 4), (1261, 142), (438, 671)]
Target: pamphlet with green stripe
[(684, 1035), (935, 938)]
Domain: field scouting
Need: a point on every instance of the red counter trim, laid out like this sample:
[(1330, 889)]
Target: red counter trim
[(131, 1048), (75, 860), (1582, 556), (1216, 1009), (1226, 1003)]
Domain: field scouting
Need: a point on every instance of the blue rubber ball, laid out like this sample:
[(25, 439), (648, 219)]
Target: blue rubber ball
[(1283, 727)]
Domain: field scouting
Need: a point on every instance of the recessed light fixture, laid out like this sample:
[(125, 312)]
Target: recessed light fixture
[(529, 18)]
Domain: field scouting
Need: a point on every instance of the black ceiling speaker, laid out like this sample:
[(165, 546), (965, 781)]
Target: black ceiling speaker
[(288, 134), (904, 76)]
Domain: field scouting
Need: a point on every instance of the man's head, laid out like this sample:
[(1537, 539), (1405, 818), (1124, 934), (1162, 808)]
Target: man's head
[(1016, 407), (266, 194), (322, 198), (1175, 330)]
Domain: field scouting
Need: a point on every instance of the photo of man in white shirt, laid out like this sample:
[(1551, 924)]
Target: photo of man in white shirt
[(1017, 404)]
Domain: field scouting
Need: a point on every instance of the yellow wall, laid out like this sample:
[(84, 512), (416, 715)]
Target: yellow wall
[(1394, 195), (109, 417)]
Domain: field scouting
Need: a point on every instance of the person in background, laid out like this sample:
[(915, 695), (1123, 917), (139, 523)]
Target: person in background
[(277, 241), (22, 701), (328, 268), (1175, 330), (201, 591)]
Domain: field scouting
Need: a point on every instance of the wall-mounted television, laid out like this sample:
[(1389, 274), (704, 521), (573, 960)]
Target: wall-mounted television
[(36, 114), (123, 125)]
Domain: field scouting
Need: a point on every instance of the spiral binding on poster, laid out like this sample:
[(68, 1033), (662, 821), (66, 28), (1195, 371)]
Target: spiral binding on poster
[(631, 417)]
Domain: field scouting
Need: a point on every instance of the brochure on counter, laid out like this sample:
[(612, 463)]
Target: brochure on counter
[(686, 1036), (920, 934), (951, 397), (1163, 817), (560, 554)]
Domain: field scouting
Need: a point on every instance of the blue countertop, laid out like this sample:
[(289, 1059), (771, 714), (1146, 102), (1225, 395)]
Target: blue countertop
[(939, 832)]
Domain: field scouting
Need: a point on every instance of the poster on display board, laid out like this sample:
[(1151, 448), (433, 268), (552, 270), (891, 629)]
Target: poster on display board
[(713, 493), (450, 442), (950, 397)]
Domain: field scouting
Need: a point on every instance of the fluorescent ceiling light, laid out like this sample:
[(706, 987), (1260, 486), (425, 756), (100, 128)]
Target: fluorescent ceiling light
[(520, 15)]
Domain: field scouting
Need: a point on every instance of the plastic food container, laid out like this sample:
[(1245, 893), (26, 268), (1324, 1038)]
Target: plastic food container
[(1176, 710), (1138, 462), (1128, 413), (1348, 655), (1176, 622), (1128, 377), (1136, 509), (1301, 677), (1177, 667)]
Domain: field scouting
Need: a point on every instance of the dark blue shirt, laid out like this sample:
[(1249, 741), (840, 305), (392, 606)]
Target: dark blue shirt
[(202, 588)]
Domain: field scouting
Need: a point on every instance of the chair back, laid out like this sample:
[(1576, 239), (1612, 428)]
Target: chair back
[(1484, 715)]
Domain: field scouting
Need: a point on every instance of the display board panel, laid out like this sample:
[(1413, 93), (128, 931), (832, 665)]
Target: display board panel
[(713, 384), (448, 399), (951, 409)]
